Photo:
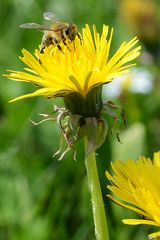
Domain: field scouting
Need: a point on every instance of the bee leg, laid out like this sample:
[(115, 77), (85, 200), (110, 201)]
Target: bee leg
[(79, 36), (42, 50), (39, 61), (57, 44), (66, 45), (59, 47)]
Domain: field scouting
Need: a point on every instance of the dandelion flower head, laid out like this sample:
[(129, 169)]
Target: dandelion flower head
[(137, 183), (79, 67)]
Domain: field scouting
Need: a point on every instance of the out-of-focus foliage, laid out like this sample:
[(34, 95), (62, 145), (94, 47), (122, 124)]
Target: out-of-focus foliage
[(41, 198)]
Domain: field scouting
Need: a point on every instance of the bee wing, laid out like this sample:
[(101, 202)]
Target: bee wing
[(50, 16), (35, 26)]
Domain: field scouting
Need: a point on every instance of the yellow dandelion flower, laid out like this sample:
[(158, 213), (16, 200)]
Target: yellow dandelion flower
[(137, 183), (77, 73), (86, 65)]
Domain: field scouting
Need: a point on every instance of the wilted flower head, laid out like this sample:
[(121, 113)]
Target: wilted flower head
[(77, 74), (137, 183)]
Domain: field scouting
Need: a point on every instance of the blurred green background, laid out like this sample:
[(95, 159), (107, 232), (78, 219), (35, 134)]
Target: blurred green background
[(40, 197)]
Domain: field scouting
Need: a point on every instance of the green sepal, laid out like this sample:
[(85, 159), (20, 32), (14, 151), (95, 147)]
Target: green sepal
[(96, 131), (102, 131), (88, 106)]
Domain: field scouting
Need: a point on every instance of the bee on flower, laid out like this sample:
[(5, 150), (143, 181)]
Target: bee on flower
[(76, 71), (55, 34)]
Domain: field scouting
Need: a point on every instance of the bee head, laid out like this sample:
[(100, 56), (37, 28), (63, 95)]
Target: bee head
[(70, 32)]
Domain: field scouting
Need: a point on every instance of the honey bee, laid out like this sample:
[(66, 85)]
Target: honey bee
[(55, 34)]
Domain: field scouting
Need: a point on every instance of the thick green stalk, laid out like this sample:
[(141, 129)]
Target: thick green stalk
[(100, 221)]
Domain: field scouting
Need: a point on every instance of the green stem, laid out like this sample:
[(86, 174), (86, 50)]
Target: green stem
[(100, 221)]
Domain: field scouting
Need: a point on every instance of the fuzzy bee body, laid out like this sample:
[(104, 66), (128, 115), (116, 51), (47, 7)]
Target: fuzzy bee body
[(55, 34)]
